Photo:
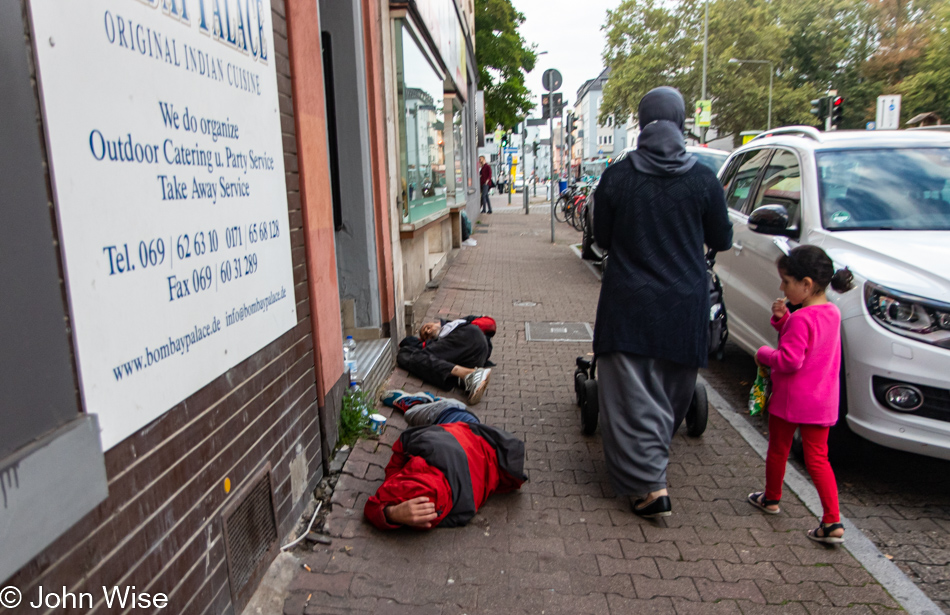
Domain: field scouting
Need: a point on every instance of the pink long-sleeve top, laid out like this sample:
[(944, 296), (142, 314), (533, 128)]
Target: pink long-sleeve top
[(805, 366)]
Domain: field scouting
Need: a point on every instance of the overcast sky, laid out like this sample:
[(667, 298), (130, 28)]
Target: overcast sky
[(570, 33)]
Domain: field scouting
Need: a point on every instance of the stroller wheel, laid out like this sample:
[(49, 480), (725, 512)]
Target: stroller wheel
[(698, 414), (580, 377), (798, 447), (590, 408)]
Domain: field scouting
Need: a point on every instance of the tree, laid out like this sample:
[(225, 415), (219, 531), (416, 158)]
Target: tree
[(503, 59), (929, 88), (861, 48)]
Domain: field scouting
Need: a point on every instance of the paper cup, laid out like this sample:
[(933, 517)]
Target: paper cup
[(377, 423)]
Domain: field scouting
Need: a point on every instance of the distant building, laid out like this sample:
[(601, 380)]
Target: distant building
[(595, 142)]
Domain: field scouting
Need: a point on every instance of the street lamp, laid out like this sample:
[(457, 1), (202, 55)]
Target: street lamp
[(771, 73)]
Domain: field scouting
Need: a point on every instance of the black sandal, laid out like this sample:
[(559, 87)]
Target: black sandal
[(758, 500), (822, 534)]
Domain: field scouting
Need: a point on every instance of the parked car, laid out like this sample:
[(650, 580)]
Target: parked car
[(712, 158), (879, 204)]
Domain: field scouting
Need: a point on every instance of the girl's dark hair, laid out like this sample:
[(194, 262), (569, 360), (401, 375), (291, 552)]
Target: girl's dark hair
[(812, 262)]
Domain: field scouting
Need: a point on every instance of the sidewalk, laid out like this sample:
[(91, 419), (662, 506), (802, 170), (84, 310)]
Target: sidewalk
[(564, 544)]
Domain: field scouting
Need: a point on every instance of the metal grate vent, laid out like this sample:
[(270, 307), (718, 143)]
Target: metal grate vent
[(250, 533), (558, 332)]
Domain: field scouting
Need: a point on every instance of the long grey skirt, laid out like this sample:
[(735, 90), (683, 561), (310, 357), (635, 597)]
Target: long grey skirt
[(641, 400)]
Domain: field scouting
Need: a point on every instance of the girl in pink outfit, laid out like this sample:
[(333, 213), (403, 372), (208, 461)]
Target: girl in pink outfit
[(805, 369)]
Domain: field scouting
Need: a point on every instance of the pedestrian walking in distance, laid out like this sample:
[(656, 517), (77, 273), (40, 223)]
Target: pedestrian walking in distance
[(653, 211), (805, 371), (484, 178)]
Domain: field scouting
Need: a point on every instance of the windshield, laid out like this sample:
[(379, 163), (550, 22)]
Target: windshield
[(711, 159), (890, 189)]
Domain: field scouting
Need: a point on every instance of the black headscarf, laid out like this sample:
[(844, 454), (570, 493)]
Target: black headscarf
[(661, 149)]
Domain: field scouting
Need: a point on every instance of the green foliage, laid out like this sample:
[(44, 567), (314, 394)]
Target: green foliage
[(929, 88), (862, 48), (503, 59), (353, 423)]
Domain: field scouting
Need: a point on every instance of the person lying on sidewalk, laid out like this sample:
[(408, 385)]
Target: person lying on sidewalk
[(441, 474), (421, 409), (450, 354)]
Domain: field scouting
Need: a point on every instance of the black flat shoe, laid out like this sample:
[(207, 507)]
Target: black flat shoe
[(660, 507)]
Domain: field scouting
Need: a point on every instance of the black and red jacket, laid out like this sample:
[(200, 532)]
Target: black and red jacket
[(457, 466)]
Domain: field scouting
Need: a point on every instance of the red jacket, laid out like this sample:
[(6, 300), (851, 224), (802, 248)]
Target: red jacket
[(457, 466)]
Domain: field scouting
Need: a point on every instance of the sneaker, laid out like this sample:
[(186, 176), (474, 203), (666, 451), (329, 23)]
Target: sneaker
[(402, 400), (476, 383)]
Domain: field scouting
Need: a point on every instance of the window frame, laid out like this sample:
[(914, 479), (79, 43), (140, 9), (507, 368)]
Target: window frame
[(732, 169), (796, 218)]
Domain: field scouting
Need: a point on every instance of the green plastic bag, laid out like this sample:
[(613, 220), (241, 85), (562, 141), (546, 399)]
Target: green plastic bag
[(759, 395)]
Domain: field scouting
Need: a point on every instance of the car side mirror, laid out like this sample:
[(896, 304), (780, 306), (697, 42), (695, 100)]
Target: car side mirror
[(771, 220)]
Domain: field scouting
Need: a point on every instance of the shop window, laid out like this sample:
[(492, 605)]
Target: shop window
[(422, 126)]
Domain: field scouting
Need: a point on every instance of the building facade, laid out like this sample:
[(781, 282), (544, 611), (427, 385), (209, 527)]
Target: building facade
[(208, 197), (431, 88), (595, 142)]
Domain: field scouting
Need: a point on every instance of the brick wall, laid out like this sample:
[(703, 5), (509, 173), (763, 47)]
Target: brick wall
[(160, 528)]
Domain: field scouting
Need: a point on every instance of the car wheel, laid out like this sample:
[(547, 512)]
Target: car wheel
[(591, 408)]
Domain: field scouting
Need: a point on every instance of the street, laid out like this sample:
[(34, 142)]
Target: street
[(564, 543)]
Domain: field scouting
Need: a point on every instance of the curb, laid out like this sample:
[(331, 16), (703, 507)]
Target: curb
[(886, 572)]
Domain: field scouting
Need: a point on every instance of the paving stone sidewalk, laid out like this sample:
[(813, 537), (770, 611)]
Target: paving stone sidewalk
[(564, 544)]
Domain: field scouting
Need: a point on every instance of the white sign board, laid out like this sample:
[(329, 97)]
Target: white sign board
[(888, 112), (163, 131)]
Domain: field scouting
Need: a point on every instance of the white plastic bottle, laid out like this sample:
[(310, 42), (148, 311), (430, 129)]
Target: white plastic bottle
[(349, 356), (354, 389)]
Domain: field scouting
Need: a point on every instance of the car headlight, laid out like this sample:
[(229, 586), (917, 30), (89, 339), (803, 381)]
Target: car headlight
[(920, 319)]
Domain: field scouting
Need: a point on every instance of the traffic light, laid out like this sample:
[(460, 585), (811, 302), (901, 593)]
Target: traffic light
[(819, 108), (535, 148), (547, 101), (504, 140), (837, 110), (571, 122)]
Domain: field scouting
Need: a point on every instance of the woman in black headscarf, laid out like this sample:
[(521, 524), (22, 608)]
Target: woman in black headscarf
[(653, 212)]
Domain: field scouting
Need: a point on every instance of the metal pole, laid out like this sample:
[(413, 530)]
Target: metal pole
[(509, 183), (551, 121), (702, 138), (534, 165), (771, 73), (524, 164), (828, 116)]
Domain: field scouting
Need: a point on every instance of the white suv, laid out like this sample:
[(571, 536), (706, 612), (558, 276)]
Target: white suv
[(879, 204)]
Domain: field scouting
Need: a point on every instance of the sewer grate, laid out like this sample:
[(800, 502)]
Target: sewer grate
[(480, 230), (558, 332), (524, 303)]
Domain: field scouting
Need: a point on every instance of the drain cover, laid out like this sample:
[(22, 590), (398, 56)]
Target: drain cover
[(524, 303), (558, 332)]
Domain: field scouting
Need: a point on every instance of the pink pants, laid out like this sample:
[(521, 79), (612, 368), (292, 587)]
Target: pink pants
[(815, 443)]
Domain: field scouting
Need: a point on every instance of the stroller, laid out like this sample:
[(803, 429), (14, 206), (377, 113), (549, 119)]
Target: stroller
[(697, 416)]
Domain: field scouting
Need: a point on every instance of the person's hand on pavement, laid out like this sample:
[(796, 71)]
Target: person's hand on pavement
[(418, 512)]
